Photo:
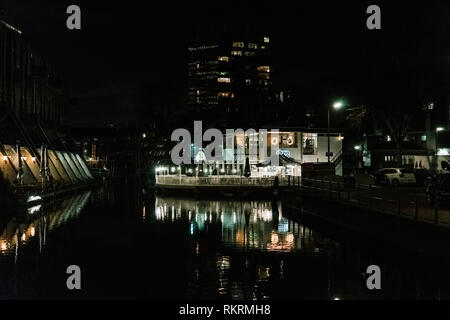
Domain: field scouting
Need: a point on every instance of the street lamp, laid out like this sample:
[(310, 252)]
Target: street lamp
[(438, 129), (337, 105)]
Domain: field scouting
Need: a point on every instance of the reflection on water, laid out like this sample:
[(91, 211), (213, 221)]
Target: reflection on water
[(130, 245), (37, 222), (258, 225), (249, 243)]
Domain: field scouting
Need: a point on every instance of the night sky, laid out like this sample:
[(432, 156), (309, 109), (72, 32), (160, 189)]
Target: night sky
[(320, 51)]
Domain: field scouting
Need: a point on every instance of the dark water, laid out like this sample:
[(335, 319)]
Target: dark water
[(134, 246)]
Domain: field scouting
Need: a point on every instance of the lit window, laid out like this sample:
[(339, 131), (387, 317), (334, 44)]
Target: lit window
[(226, 80), (424, 138), (236, 53), (263, 68), (198, 65), (266, 40), (224, 58), (388, 138), (262, 47), (249, 54), (224, 94), (238, 44), (248, 82), (310, 143), (252, 46)]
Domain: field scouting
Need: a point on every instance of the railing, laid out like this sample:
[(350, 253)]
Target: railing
[(405, 202), (219, 181)]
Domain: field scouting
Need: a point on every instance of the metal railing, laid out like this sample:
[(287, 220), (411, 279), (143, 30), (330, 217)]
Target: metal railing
[(406, 202), (219, 181)]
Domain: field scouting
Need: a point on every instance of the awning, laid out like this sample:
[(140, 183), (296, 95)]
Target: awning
[(283, 160)]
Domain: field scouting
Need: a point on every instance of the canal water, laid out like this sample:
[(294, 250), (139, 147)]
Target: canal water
[(130, 244)]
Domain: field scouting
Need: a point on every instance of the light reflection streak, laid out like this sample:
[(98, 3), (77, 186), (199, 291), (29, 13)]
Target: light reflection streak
[(246, 224), (22, 230)]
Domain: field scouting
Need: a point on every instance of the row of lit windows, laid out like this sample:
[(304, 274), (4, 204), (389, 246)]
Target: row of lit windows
[(263, 69), (237, 44), (237, 53), (265, 79), (241, 45), (224, 80), (196, 65), (240, 53), (225, 95)]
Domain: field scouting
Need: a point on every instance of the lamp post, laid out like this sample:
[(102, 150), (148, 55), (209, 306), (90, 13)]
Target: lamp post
[(336, 106), (438, 129)]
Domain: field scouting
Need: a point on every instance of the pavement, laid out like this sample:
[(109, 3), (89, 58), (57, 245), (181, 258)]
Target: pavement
[(405, 201)]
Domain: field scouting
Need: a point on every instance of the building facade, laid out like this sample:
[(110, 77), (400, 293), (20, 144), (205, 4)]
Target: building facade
[(295, 147), (229, 81), (28, 85)]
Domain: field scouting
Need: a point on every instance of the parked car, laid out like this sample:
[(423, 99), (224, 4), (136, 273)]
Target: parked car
[(438, 187), (394, 176)]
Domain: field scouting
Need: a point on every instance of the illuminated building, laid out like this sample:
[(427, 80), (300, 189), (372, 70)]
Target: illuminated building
[(230, 80)]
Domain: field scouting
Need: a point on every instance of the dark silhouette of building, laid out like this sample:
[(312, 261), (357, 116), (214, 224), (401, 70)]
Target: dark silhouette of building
[(230, 80), (28, 85)]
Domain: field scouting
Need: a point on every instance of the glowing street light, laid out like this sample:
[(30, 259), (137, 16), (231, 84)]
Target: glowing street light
[(337, 105), (438, 129)]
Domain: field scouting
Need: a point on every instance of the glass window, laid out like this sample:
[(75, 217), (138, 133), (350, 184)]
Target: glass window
[(224, 58), (238, 44), (253, 46), (406, 171), (225, 80), (263, 69), (266, 39), (310, 143), (288, 140), (236, 53)]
